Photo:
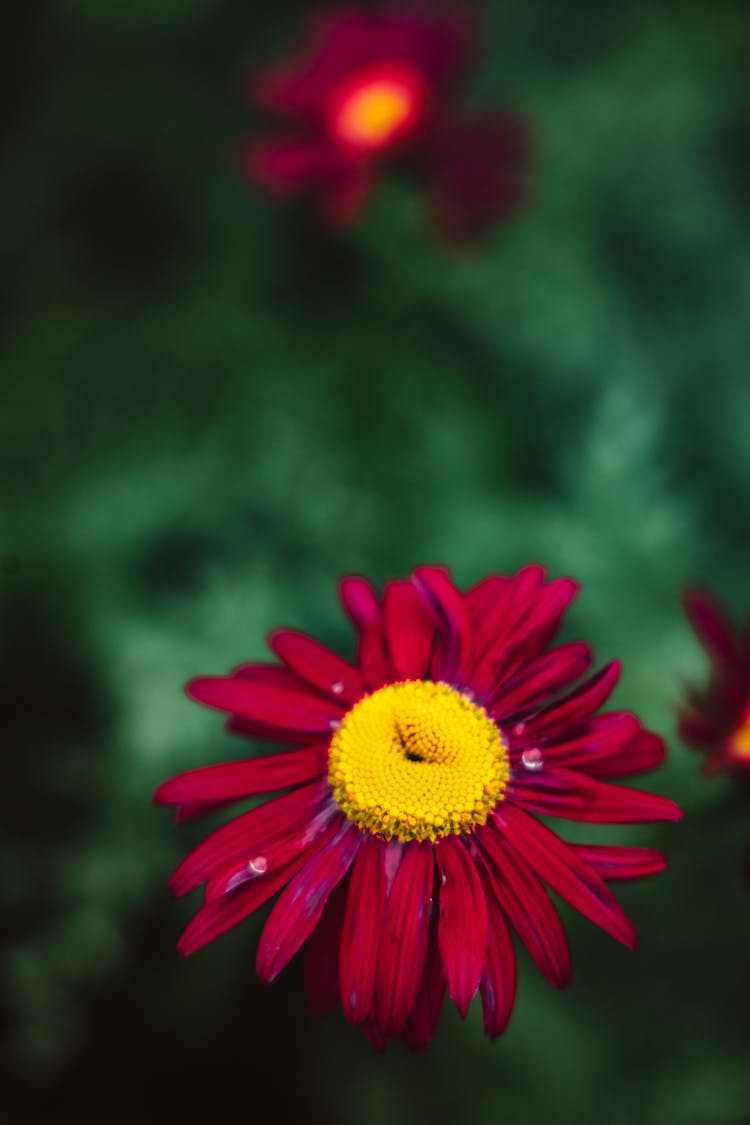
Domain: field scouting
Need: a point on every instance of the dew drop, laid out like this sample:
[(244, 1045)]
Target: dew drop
[(335, 724), (532, 759), (258, 865), (518, 729), (338, 687)]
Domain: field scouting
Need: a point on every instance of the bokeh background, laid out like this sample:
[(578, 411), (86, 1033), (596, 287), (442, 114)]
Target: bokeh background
[(212, 407)]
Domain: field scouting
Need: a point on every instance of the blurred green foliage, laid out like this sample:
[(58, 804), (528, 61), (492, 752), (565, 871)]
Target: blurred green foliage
[(212, 407)]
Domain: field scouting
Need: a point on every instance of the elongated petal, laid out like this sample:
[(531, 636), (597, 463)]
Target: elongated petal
[(716, 632), (301, 904), (542, 677), (251, 833), (361, 603), (288, 711), (462, 930), (424, 1015), (560, 867), (322, 954), (232, 781), (527, 906), (583, 701), (449, 612), (613, 862), (409, 630), (645, 751), (498, 985), (565, 793), (317, 665), (404, 940), (480, 602), (362, 927), (222, 914)]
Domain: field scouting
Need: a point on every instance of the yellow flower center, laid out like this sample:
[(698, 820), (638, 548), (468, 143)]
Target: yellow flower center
[(417, 760), (371, 114), (740, 739)]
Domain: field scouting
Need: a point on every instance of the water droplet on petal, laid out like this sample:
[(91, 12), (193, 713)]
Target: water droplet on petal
[(258, 866), (532, 759), (353, 999), (335, 724), (338, 687), (518, 729)]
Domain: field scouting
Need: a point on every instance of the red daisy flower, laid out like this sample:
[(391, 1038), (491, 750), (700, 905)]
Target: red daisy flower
[(373, 85), (717, 718), (408, 846)]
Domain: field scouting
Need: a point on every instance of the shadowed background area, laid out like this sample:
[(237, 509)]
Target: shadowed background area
[(212, 407)]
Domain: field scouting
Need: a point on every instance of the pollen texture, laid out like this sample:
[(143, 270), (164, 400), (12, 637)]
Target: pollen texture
[(417, 760)]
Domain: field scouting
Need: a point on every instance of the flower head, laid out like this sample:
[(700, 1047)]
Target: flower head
[(375, 85), (408, 845), (717, 717)]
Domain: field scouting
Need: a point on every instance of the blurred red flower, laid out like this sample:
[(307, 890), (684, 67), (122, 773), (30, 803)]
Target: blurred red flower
[(377, 85), (409, 843), (716, 719)]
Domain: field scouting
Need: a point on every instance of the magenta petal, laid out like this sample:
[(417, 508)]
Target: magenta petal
[(716, 633), (276, 707), (569, 794), (450, 615), (645, 751), (363, 923), (322, 954), (317, 665), (409, 630), (253, 832), (404, 941), (425, 1014), (527, 906), (299, 907), (583, 701), (541, 677), (223, 914), (362, 605), (480, 603), (560, 867), (231, 781), (614, 862), (462, 929), (498, 984)]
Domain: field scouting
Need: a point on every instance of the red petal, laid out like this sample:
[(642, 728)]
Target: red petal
[(569, 794), (715, 631), (644, 752), (362, 605), (562, 869), (462, 930), (300, 905), (404, 940), (231, 781), (252, 833), (289, 711), (363, 923), (425, 1014), (481, 600), (322, 955), (317, 665), (542, 677), (498, 984), (222, 914), (612, 862), (527, 906), (583, 701), (409, 630), (448, 610)]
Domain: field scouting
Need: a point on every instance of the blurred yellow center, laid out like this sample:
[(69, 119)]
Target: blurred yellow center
[(373, 113), (740, 739), (417, 760)]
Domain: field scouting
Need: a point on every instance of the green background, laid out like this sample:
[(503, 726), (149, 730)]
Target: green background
[(212, 407)]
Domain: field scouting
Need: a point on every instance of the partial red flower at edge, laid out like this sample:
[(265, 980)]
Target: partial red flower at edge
[(716, 719), (408, 845), (373, 86)]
